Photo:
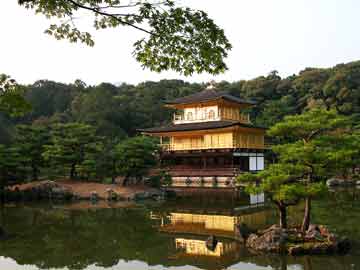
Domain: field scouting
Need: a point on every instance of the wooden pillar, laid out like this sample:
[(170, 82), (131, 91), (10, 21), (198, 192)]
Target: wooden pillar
[(204, 162)]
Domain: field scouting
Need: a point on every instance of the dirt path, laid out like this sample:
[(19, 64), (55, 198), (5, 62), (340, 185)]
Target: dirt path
[(84, 189)]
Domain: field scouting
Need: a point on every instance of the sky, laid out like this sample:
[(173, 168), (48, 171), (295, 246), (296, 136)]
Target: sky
[(282, 35)]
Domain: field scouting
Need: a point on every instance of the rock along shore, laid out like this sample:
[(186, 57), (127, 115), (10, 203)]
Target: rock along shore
[(317, 240)]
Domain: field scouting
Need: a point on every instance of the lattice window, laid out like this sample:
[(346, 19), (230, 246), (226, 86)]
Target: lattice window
[(211, 114)]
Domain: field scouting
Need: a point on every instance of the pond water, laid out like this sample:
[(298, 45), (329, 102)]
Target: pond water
[(169, 235)]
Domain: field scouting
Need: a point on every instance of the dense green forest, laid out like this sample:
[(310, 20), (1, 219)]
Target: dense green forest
[(120, 110), (110, 113)]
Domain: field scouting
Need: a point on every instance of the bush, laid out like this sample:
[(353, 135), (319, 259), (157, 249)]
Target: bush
[(154, 181)]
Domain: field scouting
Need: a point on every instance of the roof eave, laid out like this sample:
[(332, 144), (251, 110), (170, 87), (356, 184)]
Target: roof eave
[(174, 105), (149, 132)]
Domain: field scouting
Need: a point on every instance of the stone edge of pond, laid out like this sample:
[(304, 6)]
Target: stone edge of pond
[(338, 182), (316, 240)]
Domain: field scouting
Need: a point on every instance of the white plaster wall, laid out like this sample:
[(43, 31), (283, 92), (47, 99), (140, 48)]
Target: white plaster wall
[(256, 163), (257, 198), (199, 113)]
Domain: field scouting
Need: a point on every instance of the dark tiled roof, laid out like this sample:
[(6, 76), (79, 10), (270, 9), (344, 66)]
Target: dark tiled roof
[(208, 95), (197, 126)]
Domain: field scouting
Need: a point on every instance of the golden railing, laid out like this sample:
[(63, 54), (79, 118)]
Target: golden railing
[(185, 146), (244, 118), (180, 118)]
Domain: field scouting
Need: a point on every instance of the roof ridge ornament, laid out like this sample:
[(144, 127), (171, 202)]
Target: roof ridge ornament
[(211, 85)]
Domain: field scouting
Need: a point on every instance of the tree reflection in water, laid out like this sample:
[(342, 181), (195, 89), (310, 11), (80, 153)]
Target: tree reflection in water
[(161, 236)]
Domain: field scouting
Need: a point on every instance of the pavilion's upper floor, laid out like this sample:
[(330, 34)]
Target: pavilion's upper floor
[(210, 105)]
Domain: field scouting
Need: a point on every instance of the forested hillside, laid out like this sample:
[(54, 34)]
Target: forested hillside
[(120, 110), (80, 131)]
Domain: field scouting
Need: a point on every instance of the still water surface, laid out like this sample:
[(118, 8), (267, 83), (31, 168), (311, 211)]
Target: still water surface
[(168, 235)]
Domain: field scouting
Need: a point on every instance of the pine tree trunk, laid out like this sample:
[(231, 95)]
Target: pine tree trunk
[(306, 219), (308, 265), (2, 187), (72, 171), (34, 173), (126, 180), (2, 231), (283, 216), (283, 263), (2, 190), (113, 176)]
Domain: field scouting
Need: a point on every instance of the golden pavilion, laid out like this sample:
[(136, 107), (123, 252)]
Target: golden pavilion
[(210, 140)]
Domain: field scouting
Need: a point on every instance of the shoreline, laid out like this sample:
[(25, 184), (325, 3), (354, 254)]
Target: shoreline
[(71, 189)]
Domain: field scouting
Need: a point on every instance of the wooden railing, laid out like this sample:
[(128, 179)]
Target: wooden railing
[(186, 146), (268, 145), (244, 118), (165, 146), (181, 119)]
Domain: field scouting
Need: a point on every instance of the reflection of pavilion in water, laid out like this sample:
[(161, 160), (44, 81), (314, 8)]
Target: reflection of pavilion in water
[(220, 223), (205, 224), (192, 227), (199, 248)]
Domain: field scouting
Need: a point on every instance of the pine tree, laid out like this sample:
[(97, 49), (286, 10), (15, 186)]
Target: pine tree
[(311, 144)]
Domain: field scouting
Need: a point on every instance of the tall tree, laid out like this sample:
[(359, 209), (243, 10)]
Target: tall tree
[(31, 140), (136, 156), (48, 98), (306, 143), (261, 90), (100, 108), (12, 165), (306, 155), (176, 38), (108, 159), (70, 146), (12, 100), (279, 182)]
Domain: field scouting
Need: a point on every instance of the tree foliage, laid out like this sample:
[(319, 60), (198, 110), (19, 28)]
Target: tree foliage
[(116, 112), (310, 146), (73, 147), (12, 166), (136, 156), (30, 141), (12, 100), (279, 181), (74, 150), (126, 108), (176, 37)]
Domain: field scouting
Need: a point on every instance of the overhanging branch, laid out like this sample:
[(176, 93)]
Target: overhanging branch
[(97, 11)]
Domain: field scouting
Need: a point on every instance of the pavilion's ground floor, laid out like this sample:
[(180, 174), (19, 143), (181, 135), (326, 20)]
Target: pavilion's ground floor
[(210, 169)]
